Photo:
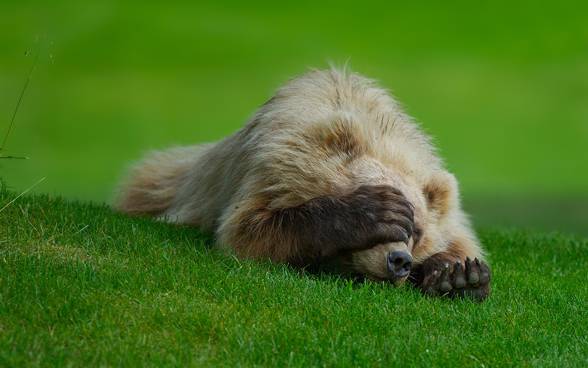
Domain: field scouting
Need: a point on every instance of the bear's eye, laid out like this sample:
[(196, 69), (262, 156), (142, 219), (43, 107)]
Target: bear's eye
[(417, 234)]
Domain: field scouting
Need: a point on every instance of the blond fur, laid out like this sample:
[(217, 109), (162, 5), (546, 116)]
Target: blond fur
[(326, 132)]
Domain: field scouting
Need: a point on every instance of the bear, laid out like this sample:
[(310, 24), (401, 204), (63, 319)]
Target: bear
[(329, 169)]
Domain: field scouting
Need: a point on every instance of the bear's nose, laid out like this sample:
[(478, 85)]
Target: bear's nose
[(399, 264)]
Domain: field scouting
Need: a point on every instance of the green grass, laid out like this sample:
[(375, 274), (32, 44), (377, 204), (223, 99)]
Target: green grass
[(500, 85), (80, 285)]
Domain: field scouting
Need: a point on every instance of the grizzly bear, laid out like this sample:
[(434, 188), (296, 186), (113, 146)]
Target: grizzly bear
[(329, 169)]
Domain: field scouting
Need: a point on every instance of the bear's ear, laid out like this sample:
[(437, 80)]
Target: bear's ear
[(441, 192)]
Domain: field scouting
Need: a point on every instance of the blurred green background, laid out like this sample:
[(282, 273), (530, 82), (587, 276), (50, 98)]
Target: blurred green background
[(502, 86)]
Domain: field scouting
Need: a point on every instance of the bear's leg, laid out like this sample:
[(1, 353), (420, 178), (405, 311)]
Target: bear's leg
[(321, 227), (453, 273)]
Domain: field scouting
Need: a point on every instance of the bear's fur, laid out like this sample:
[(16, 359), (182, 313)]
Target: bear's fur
[(329, 168)]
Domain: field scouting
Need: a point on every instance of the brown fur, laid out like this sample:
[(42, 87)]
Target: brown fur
[(152, 187)]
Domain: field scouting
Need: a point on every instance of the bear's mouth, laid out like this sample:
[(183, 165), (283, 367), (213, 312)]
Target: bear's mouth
[(399, 280), (395, 281)]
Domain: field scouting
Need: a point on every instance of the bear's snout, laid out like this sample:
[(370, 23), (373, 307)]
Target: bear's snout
[(399, 263)]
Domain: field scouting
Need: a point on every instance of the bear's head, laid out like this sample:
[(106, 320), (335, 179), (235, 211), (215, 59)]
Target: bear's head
[(435, 201)]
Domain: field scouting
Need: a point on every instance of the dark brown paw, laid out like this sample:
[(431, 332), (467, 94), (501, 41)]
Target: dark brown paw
[(470, 279), (380, 214)]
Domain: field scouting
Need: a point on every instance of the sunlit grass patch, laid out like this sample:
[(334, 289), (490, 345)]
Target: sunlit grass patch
[(81, 285)]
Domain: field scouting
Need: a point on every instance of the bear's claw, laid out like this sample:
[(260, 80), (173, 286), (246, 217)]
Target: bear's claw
[(470, 279)]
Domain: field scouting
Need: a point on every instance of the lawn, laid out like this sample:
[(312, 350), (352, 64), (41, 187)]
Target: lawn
[(501, 86), (80, 285)]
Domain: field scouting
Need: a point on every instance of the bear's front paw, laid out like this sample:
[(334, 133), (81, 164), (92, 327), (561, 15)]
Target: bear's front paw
[(380, 214), (470, 279)]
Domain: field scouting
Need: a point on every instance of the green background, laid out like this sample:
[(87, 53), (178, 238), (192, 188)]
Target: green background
[(502, 86)]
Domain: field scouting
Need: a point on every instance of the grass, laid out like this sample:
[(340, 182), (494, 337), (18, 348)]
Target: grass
[(500, 85), (80, 285)]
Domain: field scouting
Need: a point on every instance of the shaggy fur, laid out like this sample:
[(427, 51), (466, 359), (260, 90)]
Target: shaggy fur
[(310, 177)]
